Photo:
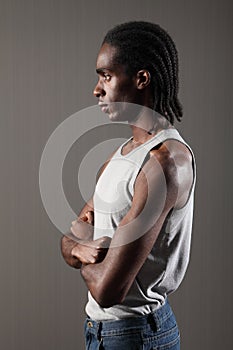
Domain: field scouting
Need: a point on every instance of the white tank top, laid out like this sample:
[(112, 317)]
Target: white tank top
[(165, 266)]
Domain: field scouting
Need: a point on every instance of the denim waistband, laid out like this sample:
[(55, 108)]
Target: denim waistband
[(116, 327)]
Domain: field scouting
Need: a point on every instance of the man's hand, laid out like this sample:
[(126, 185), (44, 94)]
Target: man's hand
[(91, 252), (84, 250), (83, 227), (79, 231), (88, 251)]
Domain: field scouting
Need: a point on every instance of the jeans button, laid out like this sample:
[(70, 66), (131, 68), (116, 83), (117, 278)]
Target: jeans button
[(89, 324)]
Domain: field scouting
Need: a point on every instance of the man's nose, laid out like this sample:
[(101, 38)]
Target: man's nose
[(99, 91)]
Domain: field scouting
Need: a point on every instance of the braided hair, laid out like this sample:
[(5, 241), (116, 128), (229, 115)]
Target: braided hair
[(144, 45)]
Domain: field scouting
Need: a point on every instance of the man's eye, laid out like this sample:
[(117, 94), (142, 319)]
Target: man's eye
[(107, 77)]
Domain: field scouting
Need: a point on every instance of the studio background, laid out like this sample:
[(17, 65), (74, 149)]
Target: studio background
[(47, 69)]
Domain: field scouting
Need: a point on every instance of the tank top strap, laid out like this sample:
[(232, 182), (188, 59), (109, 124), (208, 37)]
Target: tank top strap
[(162, 136)]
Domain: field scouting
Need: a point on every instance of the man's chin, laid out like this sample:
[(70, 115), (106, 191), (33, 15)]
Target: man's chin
[(113, 116), (116, 116), (120, 111)]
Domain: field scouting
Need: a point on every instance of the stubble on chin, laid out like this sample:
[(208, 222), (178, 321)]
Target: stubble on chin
[(117, 113)]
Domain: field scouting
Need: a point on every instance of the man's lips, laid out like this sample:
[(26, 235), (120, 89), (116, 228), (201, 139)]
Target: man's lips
[(103, 106)]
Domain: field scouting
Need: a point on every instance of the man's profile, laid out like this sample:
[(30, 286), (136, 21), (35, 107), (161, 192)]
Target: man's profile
[(131, 241)]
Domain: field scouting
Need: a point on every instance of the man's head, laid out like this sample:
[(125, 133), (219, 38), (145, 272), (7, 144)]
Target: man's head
[(146, 48)]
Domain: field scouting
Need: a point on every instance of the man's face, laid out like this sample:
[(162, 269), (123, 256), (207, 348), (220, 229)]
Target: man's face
[(115, 85)]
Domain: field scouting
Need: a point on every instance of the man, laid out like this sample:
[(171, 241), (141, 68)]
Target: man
[(132, 239)]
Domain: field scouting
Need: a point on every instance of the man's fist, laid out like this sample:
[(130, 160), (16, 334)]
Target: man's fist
[(88, 251), (91, 252)]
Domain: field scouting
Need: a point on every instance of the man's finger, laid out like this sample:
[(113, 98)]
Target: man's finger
[(90, 217)]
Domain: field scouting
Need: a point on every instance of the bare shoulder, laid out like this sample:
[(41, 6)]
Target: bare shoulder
[(176, 163), (172, 149)]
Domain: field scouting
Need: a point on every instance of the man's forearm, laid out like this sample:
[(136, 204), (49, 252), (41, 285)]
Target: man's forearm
[(67, 245), (92, 275), (69, 241), (77, 251)]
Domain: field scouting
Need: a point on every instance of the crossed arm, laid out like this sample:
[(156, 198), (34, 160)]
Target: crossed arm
[(155, 194), (78, 247)]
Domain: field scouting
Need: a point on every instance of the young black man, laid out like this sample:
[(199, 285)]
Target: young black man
[(133, 237)]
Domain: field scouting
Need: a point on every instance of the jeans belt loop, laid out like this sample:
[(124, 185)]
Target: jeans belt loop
[(99, 329), (152, 320)]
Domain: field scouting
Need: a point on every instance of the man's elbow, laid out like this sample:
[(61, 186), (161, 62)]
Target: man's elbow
[(66, 253), (108, 297), (106, 301), (106, 292)]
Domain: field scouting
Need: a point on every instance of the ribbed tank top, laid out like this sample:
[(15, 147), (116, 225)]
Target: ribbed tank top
[(165, 266)]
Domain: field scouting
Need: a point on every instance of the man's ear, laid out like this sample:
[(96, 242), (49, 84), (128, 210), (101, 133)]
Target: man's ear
[(143, 79)]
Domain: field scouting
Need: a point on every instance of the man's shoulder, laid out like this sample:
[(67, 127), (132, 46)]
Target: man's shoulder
[(172, 152), (176, 163)]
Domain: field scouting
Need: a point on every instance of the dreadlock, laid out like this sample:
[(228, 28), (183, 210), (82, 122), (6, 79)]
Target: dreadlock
[(144, 45)]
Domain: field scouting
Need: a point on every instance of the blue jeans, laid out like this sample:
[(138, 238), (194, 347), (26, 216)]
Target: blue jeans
[(155, 331)]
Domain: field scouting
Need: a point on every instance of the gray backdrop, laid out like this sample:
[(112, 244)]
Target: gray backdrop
[(47, 68)]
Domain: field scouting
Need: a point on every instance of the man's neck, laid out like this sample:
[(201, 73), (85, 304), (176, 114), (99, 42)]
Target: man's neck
[(147, 125)]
